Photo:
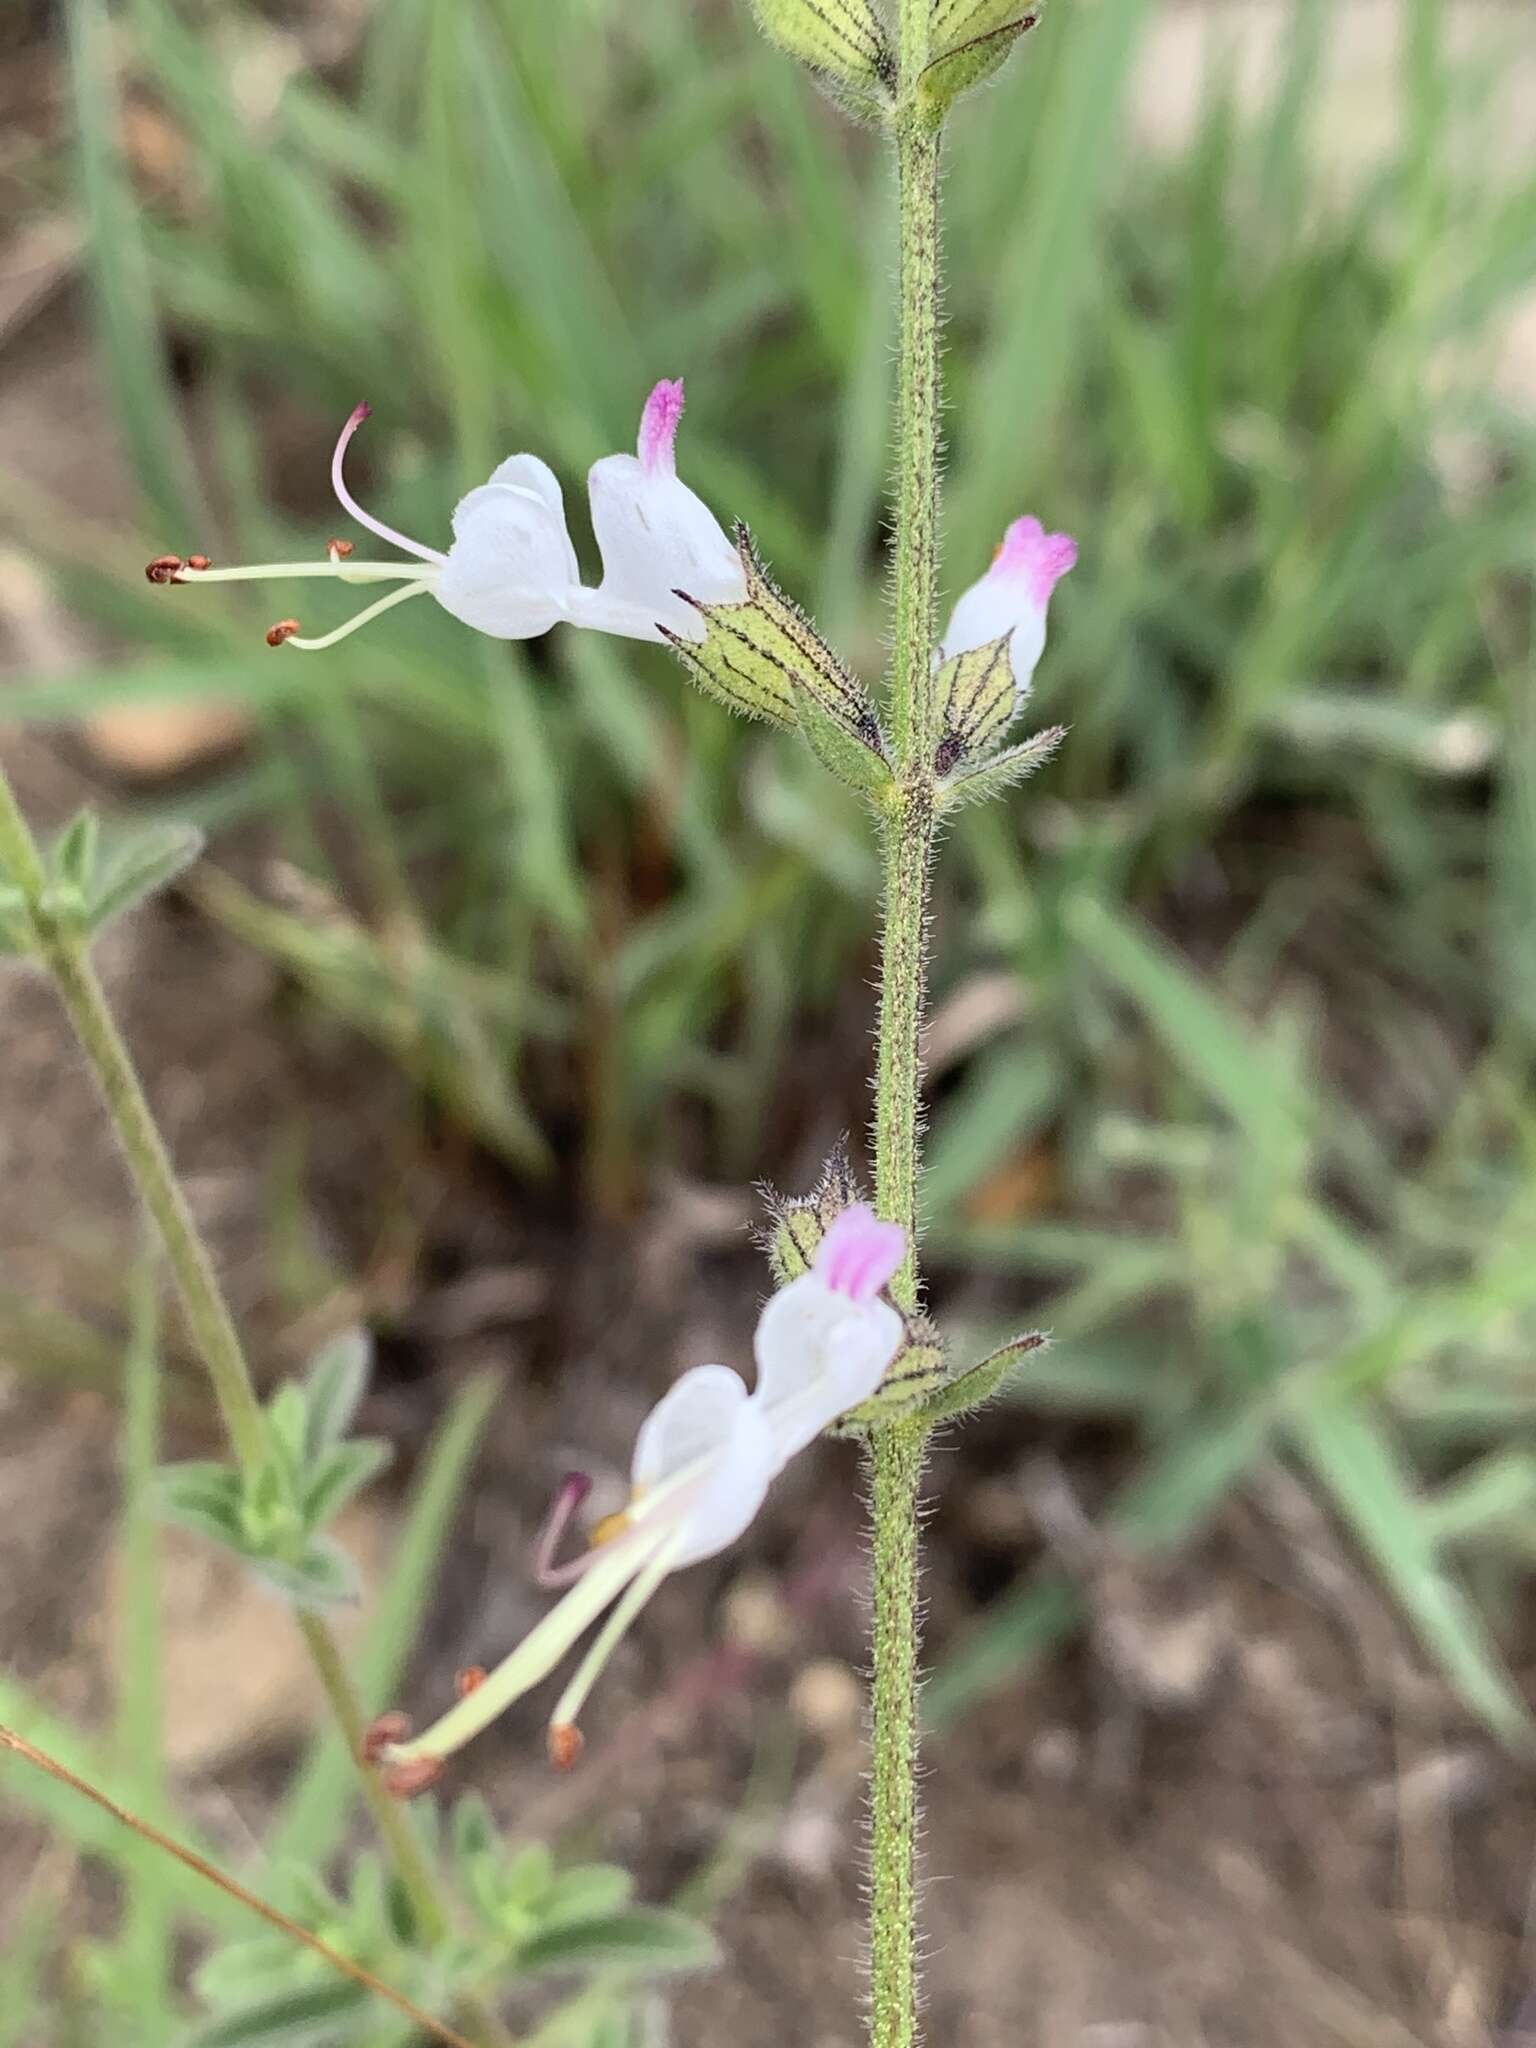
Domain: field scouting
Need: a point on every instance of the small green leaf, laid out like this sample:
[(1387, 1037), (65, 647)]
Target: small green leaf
[(843, 41), (978, 1383), (334, 1384), (338, 1474), (962, 21), (73, 858), (135, 865), (961, 69), (969, 785), (977, 698), (324, 1576), (646, 1941), (205, 1497), (289, 1422), (301, 2018), (588, 1891)]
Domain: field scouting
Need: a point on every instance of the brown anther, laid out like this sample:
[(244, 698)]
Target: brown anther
[(384, 1733), (469, 1680), (283, 630), (566, 1742), (338, 550), (404, 1781), (163, 569), (199, 561)]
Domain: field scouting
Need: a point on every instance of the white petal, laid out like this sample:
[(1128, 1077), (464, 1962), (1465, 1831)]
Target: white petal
[(509, 570), (818, 1355), (532, 473), (656, 537), (706, 1455)]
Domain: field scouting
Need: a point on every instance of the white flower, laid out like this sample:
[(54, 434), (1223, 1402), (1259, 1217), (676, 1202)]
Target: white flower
[(1012, 599), (702, 1465), (511, 571)]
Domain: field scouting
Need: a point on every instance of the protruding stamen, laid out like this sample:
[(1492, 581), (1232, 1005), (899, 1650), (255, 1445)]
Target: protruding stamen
[(344, 632), (339, 550), (566, 1742), (418, 1774), (283, 630), (338, 485), (574, 1488), (384, 1733), (163, 568), (469, 1680), (609, 1636), (658, 428)]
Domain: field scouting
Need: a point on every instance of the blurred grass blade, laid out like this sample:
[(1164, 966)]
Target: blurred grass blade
[(132, 344)]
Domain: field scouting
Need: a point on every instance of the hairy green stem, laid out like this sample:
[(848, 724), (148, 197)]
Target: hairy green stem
[(63, 951), (897, 1451)]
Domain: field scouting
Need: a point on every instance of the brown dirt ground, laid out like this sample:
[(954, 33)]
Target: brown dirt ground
[(1236, 1813)]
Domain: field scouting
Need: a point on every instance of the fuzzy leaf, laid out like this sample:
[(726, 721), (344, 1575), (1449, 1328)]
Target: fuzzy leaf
[(73, 857), (978, 1383), (137, 864), (961, 21), (339, 1473), (334, 1384), (949, 77), (300, 2018), (978, 697), (646, 1942), (797, 1223), (843, 41), (588, 1891), (323, 1577), (970, 785), (205, 1497)]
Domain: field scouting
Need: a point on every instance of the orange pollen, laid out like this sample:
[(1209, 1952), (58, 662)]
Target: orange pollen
[(338, 550), (404, 1781), (163, 569), (566, 1742), (383, 1733), (609, 1527), (283, 630), (469, 1680)]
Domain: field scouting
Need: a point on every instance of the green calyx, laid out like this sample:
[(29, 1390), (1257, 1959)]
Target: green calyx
[(971, 39), (763, 658), (843, 42)]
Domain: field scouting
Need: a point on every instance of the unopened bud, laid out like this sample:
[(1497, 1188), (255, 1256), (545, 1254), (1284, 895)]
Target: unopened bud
[(283, 630)]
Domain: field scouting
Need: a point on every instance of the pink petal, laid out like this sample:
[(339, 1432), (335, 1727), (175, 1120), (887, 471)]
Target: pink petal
[(658, 428), (1042, 558), (860, 1254)]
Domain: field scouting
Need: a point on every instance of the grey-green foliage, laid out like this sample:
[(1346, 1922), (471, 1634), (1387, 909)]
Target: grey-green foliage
[(97, 874), (276, 1518), (528, 1918)]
